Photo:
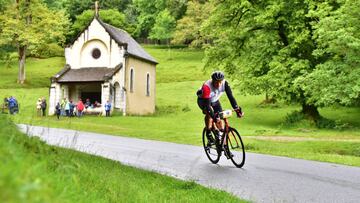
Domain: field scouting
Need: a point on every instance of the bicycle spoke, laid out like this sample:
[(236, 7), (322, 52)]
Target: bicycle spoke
[(234, 142), (210, 149)]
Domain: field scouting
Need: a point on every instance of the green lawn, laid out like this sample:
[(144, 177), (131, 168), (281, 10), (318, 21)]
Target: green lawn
[(178, 119), (31, 171)]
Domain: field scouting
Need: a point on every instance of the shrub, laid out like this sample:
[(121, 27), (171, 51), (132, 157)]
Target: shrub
[(294, 117), (47, 51)]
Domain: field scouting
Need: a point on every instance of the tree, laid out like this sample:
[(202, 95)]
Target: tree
[(28, 25), (177, 8), (267, 46), (148, 11), (3, 4), (188, 29), (337, 79), (110, 16), (76, 7), (164, 26)]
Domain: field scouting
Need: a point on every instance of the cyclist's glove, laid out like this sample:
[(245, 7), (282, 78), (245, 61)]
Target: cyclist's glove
[(239, 113)]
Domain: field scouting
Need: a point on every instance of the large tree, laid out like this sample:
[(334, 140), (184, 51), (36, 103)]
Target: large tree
[(28, 25), (268, 46), (164, 26), (188, 29), (337, 33), (148, 11)]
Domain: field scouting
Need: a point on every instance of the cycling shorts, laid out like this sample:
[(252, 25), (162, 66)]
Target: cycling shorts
[(215, 105)]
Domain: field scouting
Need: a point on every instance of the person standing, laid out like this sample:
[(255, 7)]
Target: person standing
[(107, 108), (67, 108), (80, 108), (12, 104), (43, 106), (58, 110), (72, 106), (62, 106)]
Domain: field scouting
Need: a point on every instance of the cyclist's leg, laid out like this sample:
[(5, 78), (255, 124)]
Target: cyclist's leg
[(207, 120), (217, 109)]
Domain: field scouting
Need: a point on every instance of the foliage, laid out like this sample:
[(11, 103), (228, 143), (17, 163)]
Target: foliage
[(111, 16), (294, 117), (46, 25), (48, 50), (3, 4), (148, 12), (164, 26), (188, 29), (29, 25), (77, 7), (270, 46), (177, 8), (55, 4), (337, 33)]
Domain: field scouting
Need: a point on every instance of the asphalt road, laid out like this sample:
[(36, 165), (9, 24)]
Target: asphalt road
[(264, 178)]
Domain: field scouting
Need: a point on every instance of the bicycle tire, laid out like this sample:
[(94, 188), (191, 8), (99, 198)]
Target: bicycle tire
[(234, 141), (210, 151)]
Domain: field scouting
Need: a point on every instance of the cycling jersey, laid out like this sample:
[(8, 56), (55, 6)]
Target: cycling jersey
[(212, 93), (208, 96)]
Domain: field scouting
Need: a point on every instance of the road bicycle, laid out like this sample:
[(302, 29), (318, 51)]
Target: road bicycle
[(229, 142)]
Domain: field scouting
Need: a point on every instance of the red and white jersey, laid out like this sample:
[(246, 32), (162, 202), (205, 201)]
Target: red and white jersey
[(208, 91)]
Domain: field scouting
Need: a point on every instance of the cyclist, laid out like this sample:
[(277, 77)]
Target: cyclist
[(208, 101)]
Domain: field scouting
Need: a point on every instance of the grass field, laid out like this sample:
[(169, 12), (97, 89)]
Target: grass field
[(32, 171), (178, 119)]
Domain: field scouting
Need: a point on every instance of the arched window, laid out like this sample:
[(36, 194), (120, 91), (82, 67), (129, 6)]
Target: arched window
[(132, 80), (148, 84)]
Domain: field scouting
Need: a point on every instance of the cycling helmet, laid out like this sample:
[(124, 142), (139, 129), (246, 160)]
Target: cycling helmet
[(217, 76)]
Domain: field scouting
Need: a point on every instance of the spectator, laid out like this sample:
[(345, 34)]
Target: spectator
[(43, 106), (58, 110), (107, 108), (87, 103), (38, 107), (12, 104), (80, 108), (62, 106), (67, 108), (72, 106)]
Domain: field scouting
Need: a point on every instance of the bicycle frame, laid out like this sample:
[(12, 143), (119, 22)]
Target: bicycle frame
[(225, 133)]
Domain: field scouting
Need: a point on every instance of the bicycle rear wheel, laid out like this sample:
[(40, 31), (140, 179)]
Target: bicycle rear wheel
[(236, 148), (210, 149)]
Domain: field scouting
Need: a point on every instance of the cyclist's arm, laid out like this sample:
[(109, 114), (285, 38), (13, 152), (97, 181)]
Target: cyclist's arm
[(209, 108), (230, 96), (206, 97)]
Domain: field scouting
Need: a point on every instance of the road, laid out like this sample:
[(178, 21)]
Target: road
[(264, 178)]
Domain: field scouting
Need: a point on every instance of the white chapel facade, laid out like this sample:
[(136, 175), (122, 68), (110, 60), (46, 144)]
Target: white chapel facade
[(105, 63)]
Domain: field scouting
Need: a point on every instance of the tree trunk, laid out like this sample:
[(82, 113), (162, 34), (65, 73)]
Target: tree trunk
[(22, 56), (266, 96), (310, 111)]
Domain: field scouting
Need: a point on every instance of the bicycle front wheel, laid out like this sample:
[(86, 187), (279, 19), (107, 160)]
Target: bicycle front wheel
[(210, 148), (236, 148)]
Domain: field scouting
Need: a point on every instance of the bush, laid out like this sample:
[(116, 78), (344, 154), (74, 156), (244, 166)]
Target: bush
[(294, 117), (47, 51)]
